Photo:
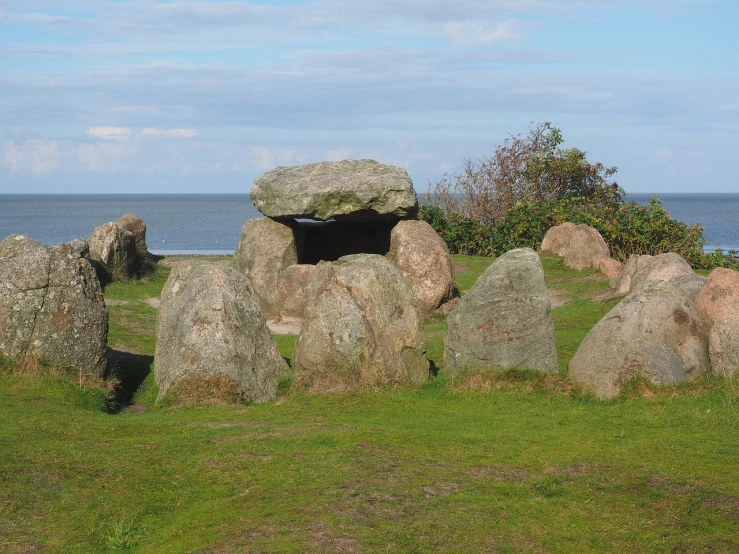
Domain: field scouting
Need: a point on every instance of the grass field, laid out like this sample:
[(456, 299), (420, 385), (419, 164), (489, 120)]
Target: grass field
[(503, 462)]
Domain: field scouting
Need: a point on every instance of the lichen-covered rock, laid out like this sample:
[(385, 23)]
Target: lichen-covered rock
[(655, 332), (557, 237), (585, 248), (51, 305), (267, 247), (294, 290), (723, 347), (210, 327), (505, 320), (423, 258), (719, 296), (136, 226), (662, 267), (690, 283), (361, 327), (114, 250), (349, 190)]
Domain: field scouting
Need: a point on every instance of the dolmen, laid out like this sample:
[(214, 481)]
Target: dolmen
[(327, 210), (116, 248)]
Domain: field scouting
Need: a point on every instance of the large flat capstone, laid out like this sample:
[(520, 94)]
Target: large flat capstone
[(351, 190)]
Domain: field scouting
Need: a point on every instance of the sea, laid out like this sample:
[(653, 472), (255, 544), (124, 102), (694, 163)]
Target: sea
[(210, 224)]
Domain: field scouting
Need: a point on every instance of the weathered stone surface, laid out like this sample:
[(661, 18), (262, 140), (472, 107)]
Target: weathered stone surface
[(723, 347), (623, 285), (719, 296), (557, 237), (113, 248), (361, 327), (690, 283), (51, 305), (423, 258), (505, 320), (585, 248), (662, 267), (610, 268), (350, 190), (294, 290), (210, 325), (80, 248), (136, 226), (267, 248), (655, 332)]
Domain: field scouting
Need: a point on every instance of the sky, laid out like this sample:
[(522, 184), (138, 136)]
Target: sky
[(147, 96)]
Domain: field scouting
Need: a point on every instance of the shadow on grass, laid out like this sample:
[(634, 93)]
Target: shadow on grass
[(130, 370)]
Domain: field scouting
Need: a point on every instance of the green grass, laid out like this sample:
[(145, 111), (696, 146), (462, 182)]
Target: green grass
[(516, 467)]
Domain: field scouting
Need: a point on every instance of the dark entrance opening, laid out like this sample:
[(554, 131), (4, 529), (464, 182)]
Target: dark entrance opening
[(330, 240)]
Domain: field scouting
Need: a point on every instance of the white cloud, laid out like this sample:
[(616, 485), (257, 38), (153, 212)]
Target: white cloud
[(477, 33), (109, 133), (104, 157), (261, 157), (169, 133), (32, 156)]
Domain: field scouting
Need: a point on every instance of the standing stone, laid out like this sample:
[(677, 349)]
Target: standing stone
[(361, 327), (51, 305), (294, 290), (210, 326), (505, 320), (723, 347), (136, 226), (423, 258), (719, 296), (350, 190), (635, 261), (662, 267), (113, 249), (690, 284), (585, 248), (655, 332), (267, 247), (557, 237)]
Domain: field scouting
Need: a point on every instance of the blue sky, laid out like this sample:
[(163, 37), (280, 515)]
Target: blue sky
[(179, 96)]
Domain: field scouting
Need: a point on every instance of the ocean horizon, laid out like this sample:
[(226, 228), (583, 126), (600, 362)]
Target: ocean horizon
[(211, 223)]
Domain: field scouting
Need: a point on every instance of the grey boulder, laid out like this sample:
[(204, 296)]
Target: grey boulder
[(349, 190), (723, 347), (210, 325), (51, 305), (113, 249), (423, 258), (655, 332), (642, 269), (267, 247), (294, 290), (505, 320), (361, 327)]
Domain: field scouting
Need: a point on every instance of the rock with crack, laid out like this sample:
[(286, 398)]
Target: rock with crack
[(655, 332), (211, 334), (361, 327), (51, 305), (505, 320)]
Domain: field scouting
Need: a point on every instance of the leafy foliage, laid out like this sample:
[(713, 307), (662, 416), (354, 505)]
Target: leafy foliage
[(524, 169)]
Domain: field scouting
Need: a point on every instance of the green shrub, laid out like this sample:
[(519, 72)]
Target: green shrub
[(627, 229)]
